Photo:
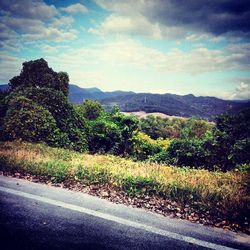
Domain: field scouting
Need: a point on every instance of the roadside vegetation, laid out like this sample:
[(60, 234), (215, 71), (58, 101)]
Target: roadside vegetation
[(201, 166), (220, 197)]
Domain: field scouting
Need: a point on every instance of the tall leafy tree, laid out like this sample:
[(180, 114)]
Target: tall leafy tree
[(90, 109), (38, 74), (233, 139)]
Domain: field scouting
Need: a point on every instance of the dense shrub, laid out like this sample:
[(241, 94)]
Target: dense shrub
[(157, 127), (225, 147), (195, 128), (161, 157), (144, 147), (90, 109), (28, 121), (187, 152), (3, 110), (67, 119), (104, 136), (128, 126), (232, 136), (112, 132)]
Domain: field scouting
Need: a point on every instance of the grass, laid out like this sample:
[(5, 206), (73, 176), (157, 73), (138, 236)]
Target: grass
[(225, 193)]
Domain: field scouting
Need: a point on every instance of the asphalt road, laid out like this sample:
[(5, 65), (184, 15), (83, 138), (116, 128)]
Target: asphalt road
[(35, 216)]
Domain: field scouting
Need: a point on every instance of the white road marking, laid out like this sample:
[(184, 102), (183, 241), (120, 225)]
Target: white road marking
[(113, 218)]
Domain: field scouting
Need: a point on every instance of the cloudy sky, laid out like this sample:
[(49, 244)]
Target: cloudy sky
[(161, 46)]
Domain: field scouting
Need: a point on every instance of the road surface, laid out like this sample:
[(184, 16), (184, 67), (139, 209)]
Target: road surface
[(36, 216)]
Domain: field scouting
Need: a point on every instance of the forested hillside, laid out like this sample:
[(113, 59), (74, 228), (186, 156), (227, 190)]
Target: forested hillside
[(170, 104)]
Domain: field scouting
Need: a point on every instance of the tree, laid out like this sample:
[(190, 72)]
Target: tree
[(104, 136), (195, 128), (128, 126), (28, 121), (37, 74), (145, 147), (3, 110), (90, 109), (232, 139), (67, 119), (63, 79)]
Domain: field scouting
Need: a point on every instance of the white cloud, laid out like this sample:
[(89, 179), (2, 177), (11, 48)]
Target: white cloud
[(64, 21), (196, 61), (31, 29), (116, 24), (29, 9), (126, 53), (130, 7), (38, 21), (216, 19), (9, 66), (50, 34), (75, 8), (242, 91), (242, 87), (48, 49)]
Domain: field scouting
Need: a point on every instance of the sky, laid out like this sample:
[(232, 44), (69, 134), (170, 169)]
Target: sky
[(158, 46)]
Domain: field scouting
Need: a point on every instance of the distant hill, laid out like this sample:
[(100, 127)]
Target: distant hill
[(174, 105), (78, 94), (169, 104)]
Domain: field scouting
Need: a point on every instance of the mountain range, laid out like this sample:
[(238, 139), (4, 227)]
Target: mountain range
[(170, 104)]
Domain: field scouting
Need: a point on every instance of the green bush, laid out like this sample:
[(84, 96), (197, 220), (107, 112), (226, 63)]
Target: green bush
[(232, 140), (28, 121), (104, 136), (3, 110), (144, 147), (187, 152), (90, 109), (157, 127), (112, 133), (67, 119), (128, 125), (161, 157)]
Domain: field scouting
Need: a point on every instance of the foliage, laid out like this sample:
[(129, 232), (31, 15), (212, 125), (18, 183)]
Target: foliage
[(3, 110), (225, 147), (157, 127), (63, 82), (195, 128), (187, 152), (90, 109), (104, 136), (128, 126), (37, 74), (145, 147), (28, 121), (112, 132), (233, 139), (67, 120)]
